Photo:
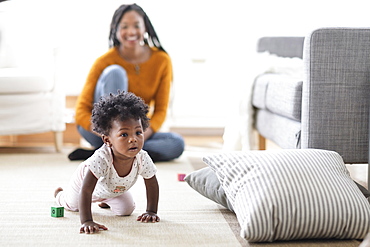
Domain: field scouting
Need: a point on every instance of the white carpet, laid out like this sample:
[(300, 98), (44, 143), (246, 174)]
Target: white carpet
[(28, 178), (27, 183)]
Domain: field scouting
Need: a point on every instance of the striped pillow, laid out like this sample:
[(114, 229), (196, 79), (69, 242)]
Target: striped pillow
[(292, 194)]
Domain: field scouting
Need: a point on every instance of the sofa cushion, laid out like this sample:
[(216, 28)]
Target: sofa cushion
[(259, 92), (16, 81), (272, 125), (280, 94), (282, 46)]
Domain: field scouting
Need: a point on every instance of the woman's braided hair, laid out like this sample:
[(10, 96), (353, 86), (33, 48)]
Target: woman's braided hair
[(151, 40)]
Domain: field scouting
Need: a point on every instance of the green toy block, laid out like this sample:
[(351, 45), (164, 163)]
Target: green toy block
[(57, 211)]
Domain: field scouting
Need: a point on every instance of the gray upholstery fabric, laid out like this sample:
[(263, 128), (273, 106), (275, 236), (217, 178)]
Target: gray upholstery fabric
[(335, 93), (280, 94), (259, 92), (335, 98), (283, 131), (283, 95), (281, 46)]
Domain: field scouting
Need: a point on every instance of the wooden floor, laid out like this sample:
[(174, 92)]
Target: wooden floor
[(43, 143), (72, 139)]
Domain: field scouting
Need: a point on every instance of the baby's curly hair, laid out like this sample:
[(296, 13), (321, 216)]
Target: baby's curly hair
[(121, 106)]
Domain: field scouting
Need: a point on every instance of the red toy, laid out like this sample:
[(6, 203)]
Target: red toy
[(181, 176)]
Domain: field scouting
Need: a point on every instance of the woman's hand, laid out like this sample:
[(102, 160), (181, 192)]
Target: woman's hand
[(90, 227), (148, 217)]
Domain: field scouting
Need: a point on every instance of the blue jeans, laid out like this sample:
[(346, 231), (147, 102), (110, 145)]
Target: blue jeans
[(160, 146)]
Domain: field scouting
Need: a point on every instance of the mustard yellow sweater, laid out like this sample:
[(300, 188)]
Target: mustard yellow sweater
[(152, 83)]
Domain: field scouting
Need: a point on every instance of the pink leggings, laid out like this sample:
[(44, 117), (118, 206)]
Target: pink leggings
[(122, 205)]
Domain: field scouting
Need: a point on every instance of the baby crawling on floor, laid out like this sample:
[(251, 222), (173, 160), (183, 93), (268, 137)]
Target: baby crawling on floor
[(113, 169)]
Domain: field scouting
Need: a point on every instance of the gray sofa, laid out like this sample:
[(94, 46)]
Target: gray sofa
[(329, 107)]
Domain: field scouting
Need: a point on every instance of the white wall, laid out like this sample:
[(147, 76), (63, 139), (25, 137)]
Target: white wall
[(210, 42)]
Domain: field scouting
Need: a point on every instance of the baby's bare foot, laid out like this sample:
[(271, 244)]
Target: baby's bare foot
[(56, 192), (104, 205)]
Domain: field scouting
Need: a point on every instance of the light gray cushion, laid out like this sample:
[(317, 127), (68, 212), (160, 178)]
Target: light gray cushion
[(292, 194), (206, 183), (259, 92), (280, 94), (284, 96), (281, 46), (281, 130)]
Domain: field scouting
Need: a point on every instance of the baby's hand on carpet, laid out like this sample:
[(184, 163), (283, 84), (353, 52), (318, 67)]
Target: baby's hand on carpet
[(90, 227), (148, 217)]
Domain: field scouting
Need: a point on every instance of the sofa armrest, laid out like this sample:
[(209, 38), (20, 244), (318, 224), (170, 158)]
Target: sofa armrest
[(335, 93)]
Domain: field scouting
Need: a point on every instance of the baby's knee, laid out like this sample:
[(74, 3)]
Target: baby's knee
[(68, 202), (126, 210)]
